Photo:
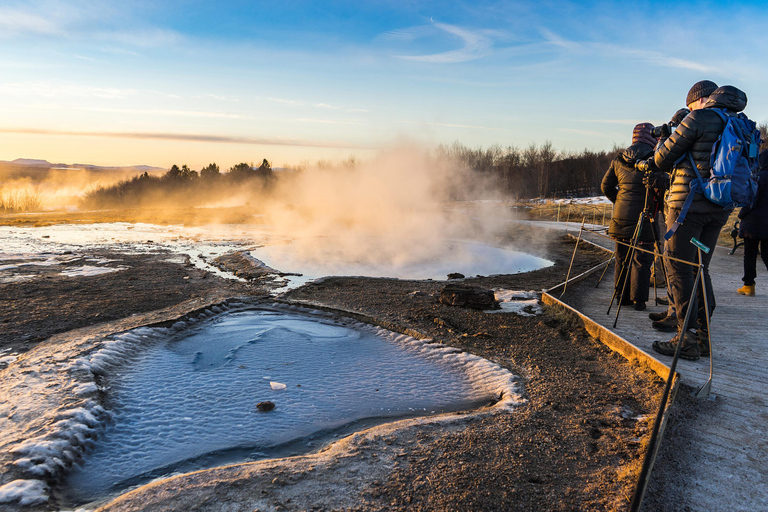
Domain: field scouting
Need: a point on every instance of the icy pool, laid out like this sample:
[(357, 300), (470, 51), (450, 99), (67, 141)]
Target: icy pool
[(187, 401)]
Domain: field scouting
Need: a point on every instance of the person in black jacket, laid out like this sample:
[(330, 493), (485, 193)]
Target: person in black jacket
[(753, 228), (694, 138), (623, 185)]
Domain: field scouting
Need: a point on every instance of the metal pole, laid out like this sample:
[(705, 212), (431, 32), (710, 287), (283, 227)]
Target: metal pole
[(705, 390)]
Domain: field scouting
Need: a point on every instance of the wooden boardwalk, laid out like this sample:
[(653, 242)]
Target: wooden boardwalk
[(714, 455)]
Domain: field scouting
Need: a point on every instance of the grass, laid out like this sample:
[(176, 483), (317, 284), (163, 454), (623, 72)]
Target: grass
[(186, 216)]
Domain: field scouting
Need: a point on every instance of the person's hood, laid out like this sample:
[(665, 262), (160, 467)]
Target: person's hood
[(637, 151), (728, 97), (763, 160)]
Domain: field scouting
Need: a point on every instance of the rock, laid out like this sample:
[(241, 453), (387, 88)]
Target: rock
[(265, 406), (468, 297), (455, 275)]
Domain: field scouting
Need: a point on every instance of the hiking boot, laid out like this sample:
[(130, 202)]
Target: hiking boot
[(747, 289), (689, 350), (657, 316), (703, 337), (639, 305), (667, 324)]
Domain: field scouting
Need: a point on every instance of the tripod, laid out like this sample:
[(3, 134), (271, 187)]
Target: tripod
[(624, 271)]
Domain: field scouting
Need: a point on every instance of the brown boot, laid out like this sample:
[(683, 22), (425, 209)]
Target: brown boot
[(689, 350)]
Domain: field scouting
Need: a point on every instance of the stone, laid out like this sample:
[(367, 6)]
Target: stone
[(265, 406), (468, 296)]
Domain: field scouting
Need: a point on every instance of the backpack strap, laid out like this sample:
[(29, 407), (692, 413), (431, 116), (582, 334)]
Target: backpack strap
[(695, 185)]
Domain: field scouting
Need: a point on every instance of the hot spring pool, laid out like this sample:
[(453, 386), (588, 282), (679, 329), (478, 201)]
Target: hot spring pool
[(184, 398)]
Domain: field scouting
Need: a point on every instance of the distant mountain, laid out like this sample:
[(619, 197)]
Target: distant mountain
[(32, 162)]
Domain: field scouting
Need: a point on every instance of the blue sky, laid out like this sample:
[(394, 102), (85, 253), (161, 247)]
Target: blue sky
[(157, 83)]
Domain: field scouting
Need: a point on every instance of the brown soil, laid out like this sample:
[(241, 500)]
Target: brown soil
[(577, 444)]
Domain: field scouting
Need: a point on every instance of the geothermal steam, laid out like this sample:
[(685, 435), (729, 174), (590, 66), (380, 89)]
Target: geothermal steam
[(390, 211)]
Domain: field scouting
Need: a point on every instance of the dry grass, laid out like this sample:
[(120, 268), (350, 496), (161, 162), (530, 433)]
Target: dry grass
[(570, 212), (185, 216)]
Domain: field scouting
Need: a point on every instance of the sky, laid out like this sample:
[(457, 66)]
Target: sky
[(156, 83)]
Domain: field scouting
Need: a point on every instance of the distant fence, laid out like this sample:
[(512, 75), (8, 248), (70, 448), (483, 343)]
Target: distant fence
[(597, 214)]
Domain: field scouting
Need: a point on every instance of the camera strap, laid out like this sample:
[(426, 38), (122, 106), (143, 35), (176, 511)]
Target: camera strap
[(694, 185)]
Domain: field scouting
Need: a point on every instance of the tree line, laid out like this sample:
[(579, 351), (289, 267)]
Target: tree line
[(181, 186)]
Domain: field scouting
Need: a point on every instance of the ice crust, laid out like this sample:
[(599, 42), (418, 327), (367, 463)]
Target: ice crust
[(181, 401)]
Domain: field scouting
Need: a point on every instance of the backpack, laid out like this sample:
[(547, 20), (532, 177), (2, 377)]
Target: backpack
[(733, 167)]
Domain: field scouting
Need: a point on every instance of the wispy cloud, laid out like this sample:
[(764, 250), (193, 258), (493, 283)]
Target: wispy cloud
[(15, 22), (185, 137), (476, 46), (654, 58), (164, 112), (59, 90)]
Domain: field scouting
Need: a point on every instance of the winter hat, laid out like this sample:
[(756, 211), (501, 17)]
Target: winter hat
[(642, 133), (700, 90), (679, 116)]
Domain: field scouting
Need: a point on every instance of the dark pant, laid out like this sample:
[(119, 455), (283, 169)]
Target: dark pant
[(637, 272), (751, 246), (705, 227)]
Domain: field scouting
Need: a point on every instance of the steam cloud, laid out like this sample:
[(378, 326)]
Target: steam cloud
[(391, 211)]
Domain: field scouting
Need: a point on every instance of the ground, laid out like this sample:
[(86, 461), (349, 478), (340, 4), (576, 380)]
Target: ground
[(576, 444)]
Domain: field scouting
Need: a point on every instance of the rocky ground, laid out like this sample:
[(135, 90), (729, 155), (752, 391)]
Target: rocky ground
[(576, 444)]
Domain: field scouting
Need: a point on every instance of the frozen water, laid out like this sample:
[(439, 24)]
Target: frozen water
[(189, 401)]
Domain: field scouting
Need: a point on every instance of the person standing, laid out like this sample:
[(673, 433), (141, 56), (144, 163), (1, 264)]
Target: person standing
[(693, 140), (753, 228), (623, 186)]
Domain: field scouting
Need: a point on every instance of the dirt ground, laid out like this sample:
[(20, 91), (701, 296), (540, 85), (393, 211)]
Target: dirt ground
[(576, 444)]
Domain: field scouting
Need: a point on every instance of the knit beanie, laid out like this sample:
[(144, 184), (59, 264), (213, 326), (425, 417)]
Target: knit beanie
[(642, 133), (700, 90)]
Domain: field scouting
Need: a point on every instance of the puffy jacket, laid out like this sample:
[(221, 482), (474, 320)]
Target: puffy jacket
[(754, 221), (623, 185), (697, 133)]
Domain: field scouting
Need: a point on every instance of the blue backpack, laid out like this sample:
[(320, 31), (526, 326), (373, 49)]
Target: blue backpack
[(733, 167)]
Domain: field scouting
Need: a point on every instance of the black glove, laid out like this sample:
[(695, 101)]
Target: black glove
[(658, 180), (666, 131)]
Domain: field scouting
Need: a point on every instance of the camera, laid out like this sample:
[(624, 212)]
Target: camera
[(664, 130), (643, 166)]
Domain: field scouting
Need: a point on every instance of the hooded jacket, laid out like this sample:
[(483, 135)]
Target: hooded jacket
[(697, 133), (623, 185), (754, 220)]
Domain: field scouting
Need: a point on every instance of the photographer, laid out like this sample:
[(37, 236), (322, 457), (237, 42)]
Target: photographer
[(623, 185), (658, 182), (693, 140)]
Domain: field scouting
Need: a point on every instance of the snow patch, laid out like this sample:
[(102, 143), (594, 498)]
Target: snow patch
[(90, 270), (26, 492), (523, 303)]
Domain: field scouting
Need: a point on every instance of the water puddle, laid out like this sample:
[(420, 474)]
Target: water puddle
[(188, 400)]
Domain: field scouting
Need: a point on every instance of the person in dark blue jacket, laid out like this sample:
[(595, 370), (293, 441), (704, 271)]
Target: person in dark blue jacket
[(753, 228)]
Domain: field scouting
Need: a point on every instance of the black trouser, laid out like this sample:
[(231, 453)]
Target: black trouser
[(751, 246), (638, 272), (705, 227)]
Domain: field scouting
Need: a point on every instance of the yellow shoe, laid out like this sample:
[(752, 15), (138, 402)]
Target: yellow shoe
[(747, 289)]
